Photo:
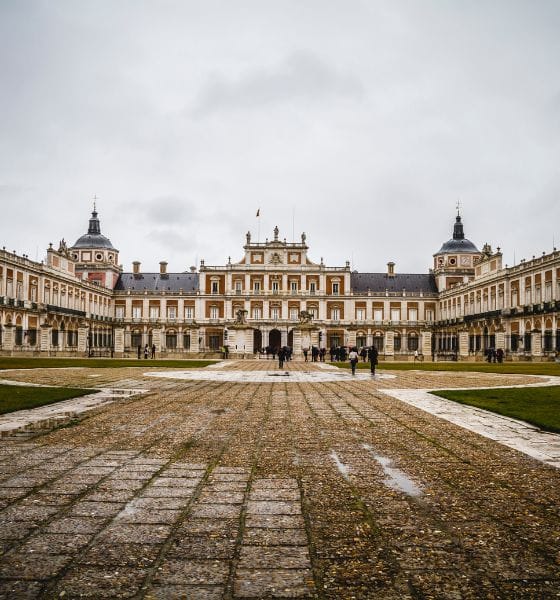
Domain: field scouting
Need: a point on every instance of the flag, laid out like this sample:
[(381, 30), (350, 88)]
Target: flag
[(259, 212)]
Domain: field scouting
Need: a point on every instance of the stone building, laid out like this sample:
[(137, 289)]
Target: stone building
[(80, 302)]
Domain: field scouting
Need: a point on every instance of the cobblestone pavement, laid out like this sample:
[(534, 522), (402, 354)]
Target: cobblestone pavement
[(220, 489)]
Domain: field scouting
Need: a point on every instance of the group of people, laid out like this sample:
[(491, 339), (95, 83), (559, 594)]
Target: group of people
[(493, 355), (147, 351), (317, 354), (371, 353)]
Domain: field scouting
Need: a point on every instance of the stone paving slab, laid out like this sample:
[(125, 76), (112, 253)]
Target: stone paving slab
[(56, 414), (211, 489), (541, 445)]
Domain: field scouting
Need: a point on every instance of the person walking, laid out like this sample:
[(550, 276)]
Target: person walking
[(139, 351), (305, 351), (281, 357), (353, 356), (146, 351), (373, 359), (153, 350)]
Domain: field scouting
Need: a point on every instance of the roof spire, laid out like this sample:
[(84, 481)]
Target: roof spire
[(458, 208), (94, 226), (458, 233)]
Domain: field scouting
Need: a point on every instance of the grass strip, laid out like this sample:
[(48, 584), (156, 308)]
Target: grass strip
[(17, 397), (98, 363), (510, 368), (539, 406)]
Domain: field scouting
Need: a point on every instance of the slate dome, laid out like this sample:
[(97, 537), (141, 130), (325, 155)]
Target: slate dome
[(93, 238), (458, 244)]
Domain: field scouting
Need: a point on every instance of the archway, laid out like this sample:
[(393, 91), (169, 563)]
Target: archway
[(257, 340), (275, 338)]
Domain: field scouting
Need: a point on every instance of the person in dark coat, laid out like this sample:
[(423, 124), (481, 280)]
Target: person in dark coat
[(153, 350), (281, 357), (373, 359), (139, 351)]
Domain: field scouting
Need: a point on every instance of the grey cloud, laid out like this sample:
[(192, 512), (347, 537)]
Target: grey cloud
[(302, 76)]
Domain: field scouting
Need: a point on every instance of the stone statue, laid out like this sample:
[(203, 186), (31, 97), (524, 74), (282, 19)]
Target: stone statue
[(305, 316), (241, 317)]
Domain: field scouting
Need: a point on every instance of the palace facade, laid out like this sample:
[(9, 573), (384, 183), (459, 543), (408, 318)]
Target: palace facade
[(80, 302)]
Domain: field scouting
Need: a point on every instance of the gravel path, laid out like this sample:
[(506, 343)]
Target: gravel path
[(303, 489)]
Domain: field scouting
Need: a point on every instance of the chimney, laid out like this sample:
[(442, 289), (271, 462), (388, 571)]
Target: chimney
[(136, 267), (390, 269), (162, 267), (193, 269)]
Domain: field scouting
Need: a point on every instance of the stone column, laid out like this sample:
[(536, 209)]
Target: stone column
[(351, 338), (298, 346), (501, 340), (45, 341), (156, 338), (426, 344), (536, 344), (82, 338), (463, 345), (8, 338), (389, 345), (197, 339), (119, 341)]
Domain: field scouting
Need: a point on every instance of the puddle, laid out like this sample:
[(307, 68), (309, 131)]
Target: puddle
[(395, 478), (285, 374), (344, 469)]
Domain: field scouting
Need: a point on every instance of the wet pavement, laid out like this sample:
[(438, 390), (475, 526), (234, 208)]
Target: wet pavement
[(289, 488)]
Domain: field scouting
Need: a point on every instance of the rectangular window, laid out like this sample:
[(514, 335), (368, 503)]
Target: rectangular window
[(378, 314), (429, 314), (335, 314), (154, 312), (238, 288), (257, 313), (136, 312), (275, 312), (395, 314), (189, 312), (360, 314), (335, 288), (119, 312), (294, 313), (172, 312), (275, 287), (214, 312), (186, 341), (257, 287), (413, 314), (312, 288), (215, 287), (294, 287)]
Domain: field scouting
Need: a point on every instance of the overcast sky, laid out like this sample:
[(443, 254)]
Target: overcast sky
[(361, 123)]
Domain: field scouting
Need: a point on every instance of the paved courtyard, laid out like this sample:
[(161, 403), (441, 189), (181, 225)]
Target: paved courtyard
[(264, 485)]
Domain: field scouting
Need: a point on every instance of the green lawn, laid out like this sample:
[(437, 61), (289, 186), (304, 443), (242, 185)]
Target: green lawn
[(522, 368), (538, 406), (17, 397), (98, 363)]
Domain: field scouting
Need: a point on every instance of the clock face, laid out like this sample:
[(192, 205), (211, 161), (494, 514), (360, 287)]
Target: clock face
[(465, 261)]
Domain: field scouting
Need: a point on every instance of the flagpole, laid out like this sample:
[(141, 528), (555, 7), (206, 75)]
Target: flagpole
[(258, 226)]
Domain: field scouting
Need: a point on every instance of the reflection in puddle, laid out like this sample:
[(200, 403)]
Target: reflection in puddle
[(344, 469), (396, 479)]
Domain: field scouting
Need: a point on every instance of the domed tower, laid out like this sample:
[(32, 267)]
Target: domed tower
[(455, 261), (96, 257)]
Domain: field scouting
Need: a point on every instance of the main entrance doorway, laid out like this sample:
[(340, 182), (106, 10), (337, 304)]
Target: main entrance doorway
[(275, 339)]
